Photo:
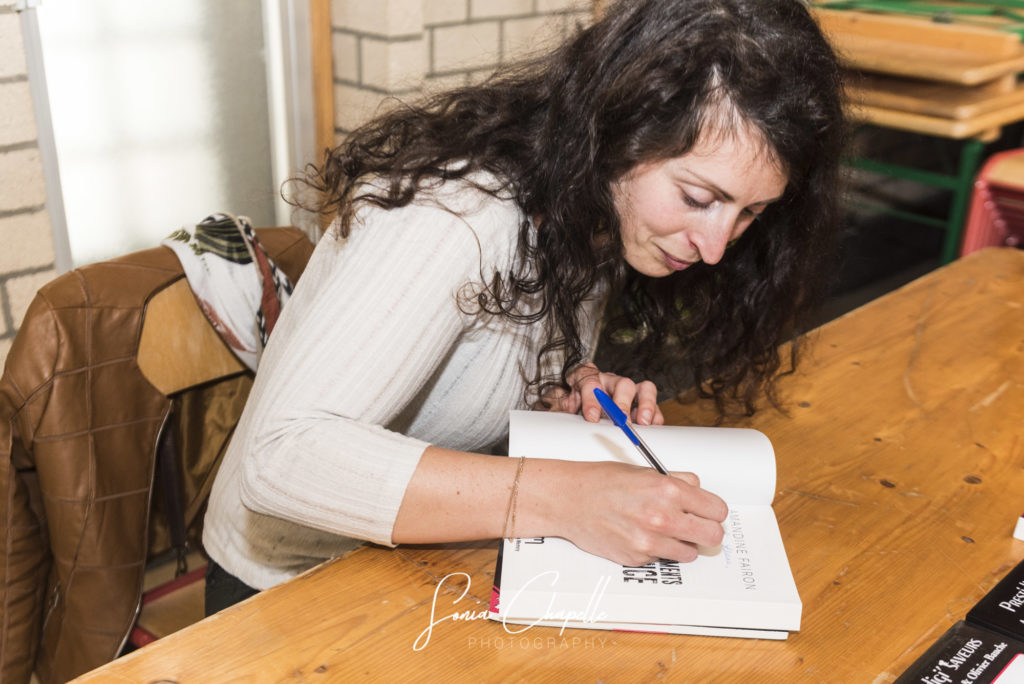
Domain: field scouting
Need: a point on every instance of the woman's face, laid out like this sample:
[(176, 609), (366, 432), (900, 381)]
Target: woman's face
[(676, 212)]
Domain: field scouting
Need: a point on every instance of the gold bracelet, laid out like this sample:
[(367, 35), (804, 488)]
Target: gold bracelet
[(508, 532)]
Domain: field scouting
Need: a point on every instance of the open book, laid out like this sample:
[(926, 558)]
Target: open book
[(744, 588)]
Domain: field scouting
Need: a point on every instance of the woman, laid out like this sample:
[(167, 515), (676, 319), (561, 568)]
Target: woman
[(478, 238)]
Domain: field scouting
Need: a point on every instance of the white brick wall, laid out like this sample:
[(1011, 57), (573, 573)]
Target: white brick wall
[(19, 291), (408, 47), (437, 84), (345, 51), (445, 11), (17, 123), (27, 242), (26, 260), (490, 9), (354, 105), (585, 6), (523, 37), (380, 47), (12, 50), (380, 17), (393, 66), (464, 47), (21, 177)]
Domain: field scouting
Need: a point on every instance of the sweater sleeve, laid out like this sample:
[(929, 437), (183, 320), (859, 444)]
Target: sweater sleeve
[(370, 323)]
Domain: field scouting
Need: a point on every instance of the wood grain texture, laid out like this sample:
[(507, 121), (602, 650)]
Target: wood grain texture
[(849, 27), (931, 98), (923, 61), (956, 129), (900, 478), (323, 74), (911, 74)]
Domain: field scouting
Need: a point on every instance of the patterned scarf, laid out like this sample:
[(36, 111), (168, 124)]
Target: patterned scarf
[(238, 287)]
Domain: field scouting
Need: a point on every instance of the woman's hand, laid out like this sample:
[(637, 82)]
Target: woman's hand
[(629, 514), (639, 401)]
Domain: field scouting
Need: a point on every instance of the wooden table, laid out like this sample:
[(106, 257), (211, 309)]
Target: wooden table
[(901, 475)]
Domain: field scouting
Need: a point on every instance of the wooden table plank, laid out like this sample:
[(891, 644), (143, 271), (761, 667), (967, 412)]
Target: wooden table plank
[(900, 473)]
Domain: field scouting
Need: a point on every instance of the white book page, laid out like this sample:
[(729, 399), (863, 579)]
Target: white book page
[(744, 583), (737, 464), (649, 628)]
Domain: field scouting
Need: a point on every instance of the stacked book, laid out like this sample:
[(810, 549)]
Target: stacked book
[(986, 646)]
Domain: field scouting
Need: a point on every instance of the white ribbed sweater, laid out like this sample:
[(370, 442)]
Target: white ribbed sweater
[(372, 360)]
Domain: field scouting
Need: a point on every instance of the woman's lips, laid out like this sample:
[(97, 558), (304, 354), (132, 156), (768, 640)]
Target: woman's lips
[(673, 263)]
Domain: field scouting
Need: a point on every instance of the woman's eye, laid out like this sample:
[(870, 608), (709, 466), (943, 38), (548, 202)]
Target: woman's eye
[(694, 203)]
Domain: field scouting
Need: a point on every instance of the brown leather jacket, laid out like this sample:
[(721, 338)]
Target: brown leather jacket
[(79, 425)]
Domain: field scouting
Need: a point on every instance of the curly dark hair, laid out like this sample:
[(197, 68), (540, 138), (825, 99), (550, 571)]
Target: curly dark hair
[(642, 84)]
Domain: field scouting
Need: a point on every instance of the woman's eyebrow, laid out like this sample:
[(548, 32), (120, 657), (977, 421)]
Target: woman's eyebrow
[(714, 187)]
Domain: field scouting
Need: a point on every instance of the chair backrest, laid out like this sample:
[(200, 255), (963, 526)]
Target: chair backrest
[(82, 417)]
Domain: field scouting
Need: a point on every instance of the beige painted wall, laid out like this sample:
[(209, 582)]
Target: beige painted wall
[(381, 48)]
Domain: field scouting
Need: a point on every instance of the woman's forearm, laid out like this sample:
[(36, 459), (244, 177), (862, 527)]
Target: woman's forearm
[(629, 514), (459, 496)]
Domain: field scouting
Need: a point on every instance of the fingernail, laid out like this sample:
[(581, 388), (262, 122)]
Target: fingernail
[(645, 417), (593, 414)]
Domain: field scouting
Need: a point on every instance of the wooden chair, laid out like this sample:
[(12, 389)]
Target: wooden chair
[(178, 350), (114, 368)]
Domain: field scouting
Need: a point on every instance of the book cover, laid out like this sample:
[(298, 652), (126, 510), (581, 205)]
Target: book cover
[(968, 653), (1002, 609), (742, 588)]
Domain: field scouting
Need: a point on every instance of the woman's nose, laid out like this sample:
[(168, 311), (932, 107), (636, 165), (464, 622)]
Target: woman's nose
[(714, 236)]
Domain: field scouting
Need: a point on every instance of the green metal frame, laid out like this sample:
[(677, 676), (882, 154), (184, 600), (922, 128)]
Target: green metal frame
[(961, 185)]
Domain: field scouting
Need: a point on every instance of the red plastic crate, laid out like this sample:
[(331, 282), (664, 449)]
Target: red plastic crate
[(996, 216)]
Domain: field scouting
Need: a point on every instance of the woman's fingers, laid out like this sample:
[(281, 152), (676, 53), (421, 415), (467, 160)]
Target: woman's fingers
[(638, 401), (694, 514), (689, 478), (582, 382), (621, 390), (647, 411), (634, 515)]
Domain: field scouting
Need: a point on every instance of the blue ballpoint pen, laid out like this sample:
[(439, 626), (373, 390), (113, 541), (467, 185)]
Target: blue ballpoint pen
[(619, 418)]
